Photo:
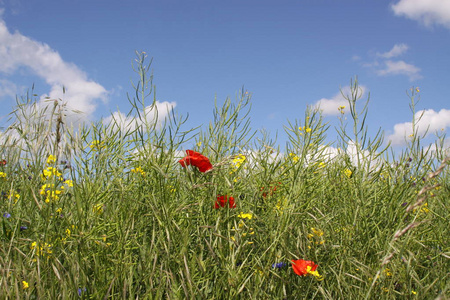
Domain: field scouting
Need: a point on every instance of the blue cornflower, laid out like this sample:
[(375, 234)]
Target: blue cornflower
[(279, 265), (80, 291), (7, 215)]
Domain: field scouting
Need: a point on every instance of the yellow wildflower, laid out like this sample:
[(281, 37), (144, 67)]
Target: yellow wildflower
[(348, 173), (138, 170), (68, 182), (50, 172), (25, 285), (42, 250), (96, 145), (294, 157), (245, 216), (13, 195), (98, 208), (317, 232), (423, 209), (51, 159), (306, 129), (281, 205), (238, 160)]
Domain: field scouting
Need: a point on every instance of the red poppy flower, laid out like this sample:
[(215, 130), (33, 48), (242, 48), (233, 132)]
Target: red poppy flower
[(222, 202), (300, 267), (3, 162), (270, 190), (197, 160)]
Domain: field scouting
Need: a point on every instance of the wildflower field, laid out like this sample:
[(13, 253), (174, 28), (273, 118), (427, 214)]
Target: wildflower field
[(145, 208)]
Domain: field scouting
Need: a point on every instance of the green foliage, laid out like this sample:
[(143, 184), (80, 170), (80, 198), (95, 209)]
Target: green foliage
[(105, 211)]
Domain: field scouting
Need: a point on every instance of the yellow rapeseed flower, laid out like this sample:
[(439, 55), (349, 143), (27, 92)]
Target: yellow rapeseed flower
[(294, 157), (50, 172), (51, 159), (317, 232), (245, 216), (96, 145), (138, 170), (42, 250), (68, 182), (238, 160), (98, 208), (348, 173)]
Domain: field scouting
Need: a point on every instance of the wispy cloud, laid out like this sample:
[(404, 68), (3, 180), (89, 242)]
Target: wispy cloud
[(397, 50), (329, 106), (400, 68), (18, 51), (8, 89), (427, 12), (429, 122), (384, 65)]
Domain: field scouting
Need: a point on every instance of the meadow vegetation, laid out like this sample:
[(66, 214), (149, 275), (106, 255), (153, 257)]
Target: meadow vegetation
[(106, 210)]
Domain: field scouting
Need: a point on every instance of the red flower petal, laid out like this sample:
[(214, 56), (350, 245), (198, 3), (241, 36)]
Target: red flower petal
[(300, 266), (269, 191), (222, 202), (197, 160), (231, 202)]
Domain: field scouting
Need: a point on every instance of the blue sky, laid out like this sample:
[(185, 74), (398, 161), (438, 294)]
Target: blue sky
[(287, 54)]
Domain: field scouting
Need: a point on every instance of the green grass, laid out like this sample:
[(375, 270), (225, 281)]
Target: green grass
[(136, 224)]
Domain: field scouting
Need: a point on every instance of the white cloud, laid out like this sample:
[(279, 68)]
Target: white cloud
[(428, 12), (157, 113), (430, 122), (17, 51), (443, 149), (367, 159), (7, 89), (400, 68), (397, 50), (383, 65), (330, 106)]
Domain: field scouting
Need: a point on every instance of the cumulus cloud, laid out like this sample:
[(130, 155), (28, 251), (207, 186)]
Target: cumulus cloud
[(397, 50), (429, 122), (329, 106), (384, 64), (18, 51), (427, 12), (156, 113), (443, 148), (400, 68)]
